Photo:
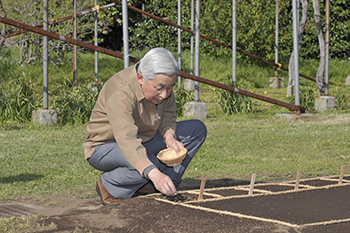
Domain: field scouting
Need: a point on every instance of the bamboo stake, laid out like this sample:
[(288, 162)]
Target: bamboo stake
[(297, 180), (341, 174), (252, 182), (200, 197)]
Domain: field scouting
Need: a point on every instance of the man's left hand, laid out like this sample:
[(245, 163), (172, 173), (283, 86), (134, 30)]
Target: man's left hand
[(171, 142)]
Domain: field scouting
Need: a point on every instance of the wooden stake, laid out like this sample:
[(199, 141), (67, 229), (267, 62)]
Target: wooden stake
[(297, 180), (341, 174), (252, 182), (200, 197)]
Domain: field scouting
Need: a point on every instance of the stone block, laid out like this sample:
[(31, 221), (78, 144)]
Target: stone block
[(189, 84), (347, 80), (195, 109), (323, 103), (44, 116), (94, 87), (277, 82)]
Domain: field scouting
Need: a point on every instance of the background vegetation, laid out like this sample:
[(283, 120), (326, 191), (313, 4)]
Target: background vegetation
[(255, 27)]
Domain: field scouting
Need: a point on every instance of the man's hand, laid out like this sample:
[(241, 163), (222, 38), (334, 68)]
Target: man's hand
[(162, 182), (171, 142)]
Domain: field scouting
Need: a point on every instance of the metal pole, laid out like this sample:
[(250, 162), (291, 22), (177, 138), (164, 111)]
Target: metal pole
[(192, 37), (234, 41), (75, 73), (45, 57), (296, 50), (96, 44), (125, 33), (179, 39), (196, 71), (276, 37), (326, 78)]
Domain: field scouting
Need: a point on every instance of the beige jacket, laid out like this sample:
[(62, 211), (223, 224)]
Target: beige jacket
[(123, 115)]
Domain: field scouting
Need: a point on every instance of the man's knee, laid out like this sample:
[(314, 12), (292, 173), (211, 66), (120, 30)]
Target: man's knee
[(199, 128)]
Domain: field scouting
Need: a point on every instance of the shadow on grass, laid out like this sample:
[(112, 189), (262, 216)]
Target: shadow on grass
[(187, 183), (20, 178)]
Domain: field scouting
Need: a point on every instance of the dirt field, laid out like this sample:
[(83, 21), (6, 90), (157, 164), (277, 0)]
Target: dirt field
[(319, 205)]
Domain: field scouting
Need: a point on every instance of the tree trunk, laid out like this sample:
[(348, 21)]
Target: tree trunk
[(300, 39), (319, 74), (3, 30)]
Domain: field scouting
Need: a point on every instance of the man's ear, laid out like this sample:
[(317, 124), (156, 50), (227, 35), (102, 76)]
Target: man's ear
[(140, 78)]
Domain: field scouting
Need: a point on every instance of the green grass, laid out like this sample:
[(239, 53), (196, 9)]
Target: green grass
[(38, 161), (273, 147)]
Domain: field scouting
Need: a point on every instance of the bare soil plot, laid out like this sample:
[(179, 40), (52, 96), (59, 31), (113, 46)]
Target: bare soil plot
[(317, 206)]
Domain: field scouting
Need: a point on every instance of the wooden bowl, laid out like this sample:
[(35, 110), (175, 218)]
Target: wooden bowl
[(170, 158)]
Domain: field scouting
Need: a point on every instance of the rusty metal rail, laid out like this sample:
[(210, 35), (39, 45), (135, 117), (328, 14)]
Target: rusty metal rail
[(291, 107), (277, 66)]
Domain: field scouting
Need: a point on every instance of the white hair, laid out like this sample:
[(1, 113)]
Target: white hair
[(158, 61)]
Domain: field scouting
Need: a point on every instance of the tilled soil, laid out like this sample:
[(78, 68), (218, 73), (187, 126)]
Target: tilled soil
[(316, 207)]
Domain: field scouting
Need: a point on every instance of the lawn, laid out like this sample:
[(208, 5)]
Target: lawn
[(45, 160), (39, 161)]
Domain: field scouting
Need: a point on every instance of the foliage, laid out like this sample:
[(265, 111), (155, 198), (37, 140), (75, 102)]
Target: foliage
[(232, 102), (255, 28), (31, 13), (18, 100), (307, 97), (182, 97), (341, 94), (74, 106), (339, 33), (7, 64)]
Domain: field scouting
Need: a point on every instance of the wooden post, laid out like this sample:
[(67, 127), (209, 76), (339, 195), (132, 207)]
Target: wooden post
[(252, 182), (297, 180), (200, 197), (341, 174)]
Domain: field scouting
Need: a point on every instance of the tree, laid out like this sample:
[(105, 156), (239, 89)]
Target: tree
[(300, 39), (31, 13), (319, 74), (3, 30)]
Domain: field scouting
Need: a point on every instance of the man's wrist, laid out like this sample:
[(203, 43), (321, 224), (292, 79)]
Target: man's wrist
[(166, 137), (147, 170)]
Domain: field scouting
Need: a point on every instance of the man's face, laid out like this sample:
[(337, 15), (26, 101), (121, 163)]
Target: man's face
[(158, 89)]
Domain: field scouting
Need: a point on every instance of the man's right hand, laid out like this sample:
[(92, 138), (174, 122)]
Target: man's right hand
[(162, 182)]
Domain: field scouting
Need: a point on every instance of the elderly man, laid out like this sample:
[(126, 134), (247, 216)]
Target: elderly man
[(134, 118)]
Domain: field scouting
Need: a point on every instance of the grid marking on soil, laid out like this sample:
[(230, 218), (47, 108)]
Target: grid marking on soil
[(333, 184)]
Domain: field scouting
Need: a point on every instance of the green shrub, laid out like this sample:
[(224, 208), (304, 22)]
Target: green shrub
[(74, 106), (7, 64), (342, 95), (307, 97), (18, 100), (182, 97), (232, 102)]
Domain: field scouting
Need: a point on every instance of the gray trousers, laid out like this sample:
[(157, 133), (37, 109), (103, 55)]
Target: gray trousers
[(122, 180)]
